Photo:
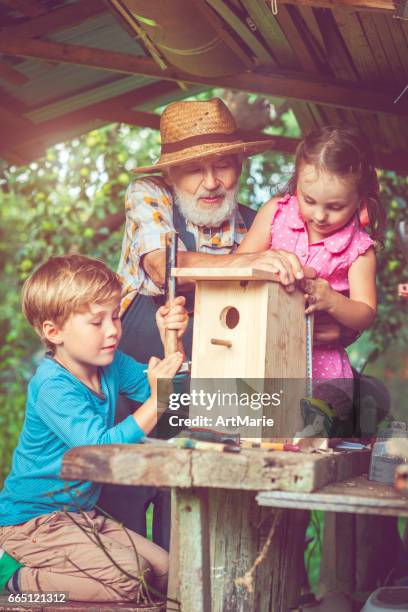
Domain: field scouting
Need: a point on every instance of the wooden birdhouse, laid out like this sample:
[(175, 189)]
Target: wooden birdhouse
[(246, 326)]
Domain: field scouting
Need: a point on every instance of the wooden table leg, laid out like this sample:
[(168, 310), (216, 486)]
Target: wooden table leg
[(173, 591), (358, 551), (193, 542), (337, 567), (221, 533)]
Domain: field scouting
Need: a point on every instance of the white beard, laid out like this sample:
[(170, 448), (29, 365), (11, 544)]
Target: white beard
[(208, 216)]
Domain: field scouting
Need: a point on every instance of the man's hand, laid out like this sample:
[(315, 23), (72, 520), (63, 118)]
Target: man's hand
[(283, 263), (172, 316)]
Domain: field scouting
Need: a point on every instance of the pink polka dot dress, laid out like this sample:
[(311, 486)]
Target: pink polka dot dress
[(331, 258)]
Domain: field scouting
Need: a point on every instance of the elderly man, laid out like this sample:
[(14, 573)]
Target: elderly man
[(196, 194), (200, 164)]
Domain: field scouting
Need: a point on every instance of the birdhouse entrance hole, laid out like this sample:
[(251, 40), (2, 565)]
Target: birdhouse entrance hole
[(229, 317)]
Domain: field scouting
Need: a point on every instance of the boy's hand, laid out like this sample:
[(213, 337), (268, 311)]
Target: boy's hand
[(173, 316), (162, 369), (318, 294)]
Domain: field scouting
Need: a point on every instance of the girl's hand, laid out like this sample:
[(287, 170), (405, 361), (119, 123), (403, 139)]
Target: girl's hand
[(162, 369), (318, 294), (173, 316)]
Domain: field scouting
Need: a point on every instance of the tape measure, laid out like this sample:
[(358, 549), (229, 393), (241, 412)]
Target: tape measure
[(309, 355)]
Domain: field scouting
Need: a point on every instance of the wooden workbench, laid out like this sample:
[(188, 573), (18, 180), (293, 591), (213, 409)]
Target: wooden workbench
[(218, 528), (356, 495)]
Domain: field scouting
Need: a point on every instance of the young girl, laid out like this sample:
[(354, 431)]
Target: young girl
[(333, 187)]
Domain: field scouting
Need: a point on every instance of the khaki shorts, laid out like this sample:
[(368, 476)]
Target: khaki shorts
[(86, 555)]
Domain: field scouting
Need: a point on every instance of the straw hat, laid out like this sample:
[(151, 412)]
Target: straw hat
[(201, 129)]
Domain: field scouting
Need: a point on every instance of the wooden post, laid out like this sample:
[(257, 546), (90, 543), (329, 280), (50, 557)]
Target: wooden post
[(194, 566), (235, 529), (173, 590)]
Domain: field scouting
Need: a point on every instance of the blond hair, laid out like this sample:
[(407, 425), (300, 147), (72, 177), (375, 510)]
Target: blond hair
[(64, 285)]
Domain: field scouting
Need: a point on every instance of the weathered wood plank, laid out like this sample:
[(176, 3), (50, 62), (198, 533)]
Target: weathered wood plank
[(337, 572), (400, 41), (388, 6), (272, 33), (352, 32), (57, 20), (129, 464), (11, 75), (356, 495), (329, 115), (224, 274), (338, 55), (173, 589), (30, 8), (290, 86), (348, 563), (374, 41), (234, 547), (194, 554), (272, 470), (386, 27), (309, 17), (288, 21), (251, 469), (239, 530), (305, 120), (315, 115), (240, 26)]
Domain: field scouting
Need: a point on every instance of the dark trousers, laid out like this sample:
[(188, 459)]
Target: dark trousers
[(141, 340)]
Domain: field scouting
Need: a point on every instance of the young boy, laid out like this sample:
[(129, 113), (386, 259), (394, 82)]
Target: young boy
[(50, 527)]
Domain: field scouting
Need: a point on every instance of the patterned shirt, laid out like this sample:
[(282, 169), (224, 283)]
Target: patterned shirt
[(149, 216)]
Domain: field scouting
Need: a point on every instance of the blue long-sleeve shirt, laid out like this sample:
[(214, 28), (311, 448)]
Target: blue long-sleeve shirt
[(62, 412)]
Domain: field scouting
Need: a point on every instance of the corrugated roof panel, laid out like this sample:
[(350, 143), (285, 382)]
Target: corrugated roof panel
[(67, 79), (94, 95), (101, 32)]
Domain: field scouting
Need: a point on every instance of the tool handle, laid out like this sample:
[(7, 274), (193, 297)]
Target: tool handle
[(170, 342), (170, 339)]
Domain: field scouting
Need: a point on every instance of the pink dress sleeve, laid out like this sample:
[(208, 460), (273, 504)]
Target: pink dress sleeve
[(361, 243)]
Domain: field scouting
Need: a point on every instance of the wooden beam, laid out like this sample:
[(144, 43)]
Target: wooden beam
[(11, 75), (388, 6), (18, 131), (10, 119), (291, 27), (219, 26), (249, 470), (295, 87), (29, 8), (56, 20), (119, 114)]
